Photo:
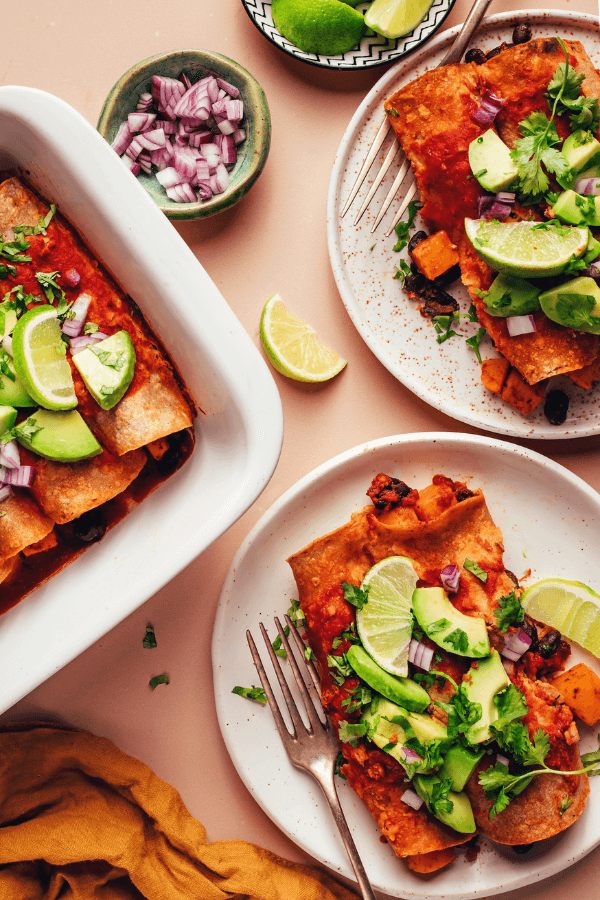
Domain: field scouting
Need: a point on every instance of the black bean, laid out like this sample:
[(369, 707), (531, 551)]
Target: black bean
[(556, 407), (521, 34), (90, 526), (475, 55), (176, 453), (417, 238), (549, 644)]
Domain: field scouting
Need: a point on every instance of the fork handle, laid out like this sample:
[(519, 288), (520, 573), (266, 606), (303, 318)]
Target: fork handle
[(329, 789), (470, 26)]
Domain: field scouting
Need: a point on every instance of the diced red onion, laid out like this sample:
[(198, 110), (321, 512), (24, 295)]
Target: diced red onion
[(489, 108), (220, 108), (77, 344), (5, 492), (72, 276), (488, 207), (20, 477), (592, 272), (134, 149), (140, 121), (239, 136), (228, 152), (181, 193), (219, 182), (122, 139), (205, 191), (229, 88), (420, 655), (169, 177), (505, 196), (145, 162), (450, 577), (144, 103), (151, 140), (184, 162), (517, 325), (130, 164), (502, 760), (74, 326), (411, 756), (167, 93), (185, 81), (516, 645), (225, 127), (9, 455), (587, 186), (201, 170), (7, 344), (222, 94), (411, 799), (234, 110)]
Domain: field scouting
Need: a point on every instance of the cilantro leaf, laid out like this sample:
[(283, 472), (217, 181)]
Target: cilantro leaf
[(149, 641), (339, 762), (158, 679), (4, 367), (458, 639), (511, 705), (440, 801), (252, 693), (510, 611), (584, 111), (565, 804), (279, 650), (475, 341), (474, 569), (90, 328), (354, 594), (438, 625), (296, 614), (402, 270), (350, 733)]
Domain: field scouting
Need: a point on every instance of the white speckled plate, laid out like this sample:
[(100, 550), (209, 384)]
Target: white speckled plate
[(373, 50), (548, 517), (445, 375)]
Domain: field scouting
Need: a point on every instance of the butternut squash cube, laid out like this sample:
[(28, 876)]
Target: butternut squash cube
[(435, 255), (580, 688), (494, 372)]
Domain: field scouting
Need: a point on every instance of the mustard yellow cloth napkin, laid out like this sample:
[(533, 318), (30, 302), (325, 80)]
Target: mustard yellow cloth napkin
[(80, 820)]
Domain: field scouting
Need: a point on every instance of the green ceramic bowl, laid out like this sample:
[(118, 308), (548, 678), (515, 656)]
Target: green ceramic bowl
[(252, 153)]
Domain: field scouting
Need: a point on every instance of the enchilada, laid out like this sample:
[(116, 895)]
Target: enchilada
[(144, 437)]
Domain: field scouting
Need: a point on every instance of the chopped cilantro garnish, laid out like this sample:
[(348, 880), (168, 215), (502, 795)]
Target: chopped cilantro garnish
[(458, 639), (114, 360), (252, 693), (355, 595), (149, 641), (279, 650), (443, 327), (158, 679), (296, 614), (350, 733), (339, 762), (438, 625), (510, 611), (402, 270), (564, 93), (4, 368), (474, 569), (90, 328), (40, 228), (475, 341), (564, 805)]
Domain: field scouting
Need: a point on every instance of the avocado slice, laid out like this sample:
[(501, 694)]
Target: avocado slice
[(447, 627), (574, 304), (12, 392), (390, 736), (459, 764), (58, 435), (425, 727), (402, 691), (107, 368), (8, 417), (8, 319), (481, 686), (491, 162), (511, 296), (460, 817), (574, 209), (580, 153)]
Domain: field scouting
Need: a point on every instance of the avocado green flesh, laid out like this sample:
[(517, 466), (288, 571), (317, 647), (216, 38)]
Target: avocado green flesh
[(431, 607), (460, 816), (511, 296), (8, 417), (579, 155), (13, 393), (62, 436), (481, 686), (107, 368), (388, 722), (592, 251), (571, 208), (402, 691), (575, 304), (491, 163), (8, 319), (458, 766)]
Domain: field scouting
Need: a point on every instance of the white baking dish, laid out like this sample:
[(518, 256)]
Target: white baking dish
[(238, 438)]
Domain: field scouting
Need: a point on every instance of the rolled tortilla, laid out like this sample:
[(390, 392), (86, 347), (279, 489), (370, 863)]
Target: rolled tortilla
[(154, 405), (21, 524)]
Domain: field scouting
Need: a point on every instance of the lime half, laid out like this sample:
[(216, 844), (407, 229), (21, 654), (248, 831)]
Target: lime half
[(293, 347), (525, 248), (385, 622), (39, 356), (570, 606), (326, 27), (393, 18)]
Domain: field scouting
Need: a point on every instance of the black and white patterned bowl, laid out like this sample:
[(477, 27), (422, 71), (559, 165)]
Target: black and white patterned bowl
[(373, 50)]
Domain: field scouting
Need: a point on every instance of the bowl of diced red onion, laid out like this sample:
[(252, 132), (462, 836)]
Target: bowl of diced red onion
[(193, 127)]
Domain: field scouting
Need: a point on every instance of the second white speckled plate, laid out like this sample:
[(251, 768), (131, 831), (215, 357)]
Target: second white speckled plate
[(446, 375)]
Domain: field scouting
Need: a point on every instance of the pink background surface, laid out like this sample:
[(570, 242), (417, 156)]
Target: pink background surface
[(273, 241)]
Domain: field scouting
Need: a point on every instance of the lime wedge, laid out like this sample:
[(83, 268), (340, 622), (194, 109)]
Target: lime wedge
[(326, 27), (393, 18), (524, 248), (384, 623), (293, 347), (39, 356), (570, 606)]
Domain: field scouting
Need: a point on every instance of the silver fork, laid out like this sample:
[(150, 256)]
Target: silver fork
[(454, 54), (313, 749)]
